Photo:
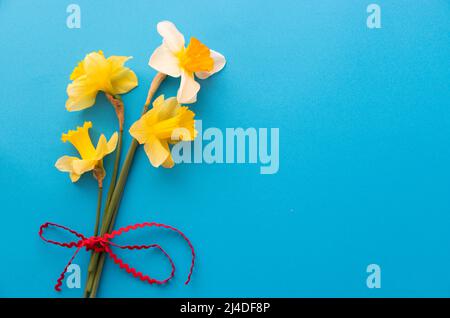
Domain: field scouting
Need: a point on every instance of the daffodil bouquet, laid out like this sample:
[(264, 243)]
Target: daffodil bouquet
[(165, 123)]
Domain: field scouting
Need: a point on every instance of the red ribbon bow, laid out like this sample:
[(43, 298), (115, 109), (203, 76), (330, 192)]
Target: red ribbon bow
[(100, 244)]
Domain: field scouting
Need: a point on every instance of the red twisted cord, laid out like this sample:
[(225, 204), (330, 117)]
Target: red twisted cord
[(103, 243)]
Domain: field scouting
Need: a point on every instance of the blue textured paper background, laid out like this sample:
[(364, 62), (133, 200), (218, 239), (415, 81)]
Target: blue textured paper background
[(364, 124)]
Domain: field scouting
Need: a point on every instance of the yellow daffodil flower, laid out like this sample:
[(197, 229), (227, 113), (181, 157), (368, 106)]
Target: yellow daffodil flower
[(91, 157), (173, 59), (97, 73), (167, 122)]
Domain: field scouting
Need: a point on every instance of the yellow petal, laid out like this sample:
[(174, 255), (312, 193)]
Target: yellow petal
[(102, 148), (78, 71), (64, 163), (117, 62), (82, 94), (112, 143), (187, 122), (81, 166), (95, 64), (98, 72), (155, 119), (122, 78), (124, 82), (156, 151), (139, 129), (158, 101), (167, 108), (168, 163), (181, 125), (81, 140), (74, 177)]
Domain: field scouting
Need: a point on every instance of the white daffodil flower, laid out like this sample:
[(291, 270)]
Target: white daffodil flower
[(174, 59)]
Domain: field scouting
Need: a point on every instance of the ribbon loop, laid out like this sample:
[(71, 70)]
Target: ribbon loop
[(63, 244), (102, 244)]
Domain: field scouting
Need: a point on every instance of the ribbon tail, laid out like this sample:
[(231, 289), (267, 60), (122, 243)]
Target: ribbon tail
[(61, 277)]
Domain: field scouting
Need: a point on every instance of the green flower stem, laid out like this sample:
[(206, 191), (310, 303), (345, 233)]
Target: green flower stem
[(110, 214), (113, 206), (97, 276), (99, 208), (118, 190), (97, 223), (94, 257), (116, 169), (101, 262), (99, 174)]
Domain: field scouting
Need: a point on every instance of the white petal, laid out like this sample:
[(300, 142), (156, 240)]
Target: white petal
[(219, 63), (171, 36), (187, 93), (192, 100), (164, 61)]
